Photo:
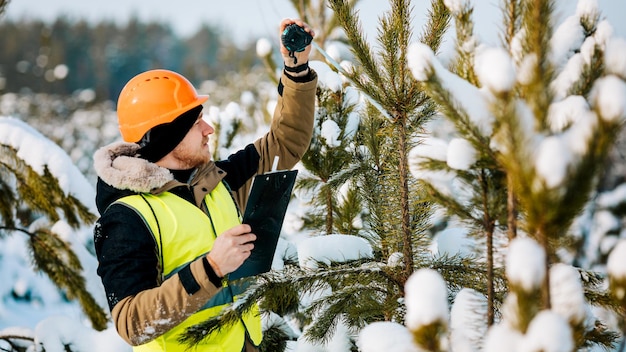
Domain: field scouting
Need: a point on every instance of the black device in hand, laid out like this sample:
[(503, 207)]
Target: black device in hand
[(295, 38)]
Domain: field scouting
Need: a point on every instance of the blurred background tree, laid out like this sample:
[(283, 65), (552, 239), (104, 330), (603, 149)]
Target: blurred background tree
[(70, 55)]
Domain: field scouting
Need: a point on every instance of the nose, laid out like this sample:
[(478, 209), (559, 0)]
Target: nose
[(206, 128)]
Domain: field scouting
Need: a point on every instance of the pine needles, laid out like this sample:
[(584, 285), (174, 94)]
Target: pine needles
[(39, 196)]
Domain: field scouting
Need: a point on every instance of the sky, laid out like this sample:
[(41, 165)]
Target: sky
[(250, 19)]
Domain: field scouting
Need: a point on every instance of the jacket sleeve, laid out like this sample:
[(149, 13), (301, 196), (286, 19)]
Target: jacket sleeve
[(291, 128), (142, 307), (150, 313)]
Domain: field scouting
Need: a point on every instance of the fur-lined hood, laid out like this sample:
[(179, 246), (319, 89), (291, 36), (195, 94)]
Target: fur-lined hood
[(118, 165), (122, 172)]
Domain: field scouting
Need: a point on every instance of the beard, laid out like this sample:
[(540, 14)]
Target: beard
[(191, 157)]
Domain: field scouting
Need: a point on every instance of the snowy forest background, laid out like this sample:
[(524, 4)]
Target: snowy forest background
[(456, 197)]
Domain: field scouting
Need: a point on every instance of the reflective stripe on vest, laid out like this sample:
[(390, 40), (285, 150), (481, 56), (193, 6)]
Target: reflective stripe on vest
[(183, 233)]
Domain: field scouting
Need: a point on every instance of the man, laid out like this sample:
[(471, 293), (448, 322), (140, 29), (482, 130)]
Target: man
[(170, 227)]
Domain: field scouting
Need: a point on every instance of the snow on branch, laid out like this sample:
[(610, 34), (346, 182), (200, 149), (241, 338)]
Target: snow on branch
[(39, 153)]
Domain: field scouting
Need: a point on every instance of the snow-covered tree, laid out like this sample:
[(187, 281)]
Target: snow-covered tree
[(43, 199), (336, 203), (398, 215), (537, 116), (462, 174)]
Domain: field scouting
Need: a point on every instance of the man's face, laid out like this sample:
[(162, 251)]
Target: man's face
[(193, 150)]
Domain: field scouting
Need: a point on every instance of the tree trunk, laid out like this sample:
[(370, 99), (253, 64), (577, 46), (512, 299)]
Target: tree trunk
[(545, 290), (511, 209), (489, 226), (329, 212), (490, 279), (407, 244)]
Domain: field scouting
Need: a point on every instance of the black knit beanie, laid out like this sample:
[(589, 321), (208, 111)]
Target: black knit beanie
[(163, 138)]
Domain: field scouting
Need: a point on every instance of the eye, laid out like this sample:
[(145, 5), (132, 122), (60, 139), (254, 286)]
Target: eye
[(199, 118)]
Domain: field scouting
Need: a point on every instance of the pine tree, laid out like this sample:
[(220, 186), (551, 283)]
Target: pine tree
[(326, 161), (30, 202), (363, 291), (483, 204), (545, 160), (403, 109)]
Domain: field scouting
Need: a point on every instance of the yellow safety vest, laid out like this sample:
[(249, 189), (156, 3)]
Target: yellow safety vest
[(180, 226)]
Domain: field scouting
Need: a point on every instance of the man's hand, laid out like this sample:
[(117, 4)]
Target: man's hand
[(231, 249), (301, 57)]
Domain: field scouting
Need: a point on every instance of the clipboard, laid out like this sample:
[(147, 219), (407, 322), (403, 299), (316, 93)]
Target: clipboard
[(265, 213)]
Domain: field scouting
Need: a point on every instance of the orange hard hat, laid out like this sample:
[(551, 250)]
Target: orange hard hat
[(153, 98)]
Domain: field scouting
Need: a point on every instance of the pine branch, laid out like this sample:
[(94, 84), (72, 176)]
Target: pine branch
[(515, 139), (466, 45), (595, 292), (42, 193), (197, 333), (284, 298), (511, 17), (394, 36), (308, 183), (274, 284), (590, 73), (536, 20), (589, 22), (456, 113), (463, 272), (15, 346), (330, 164), (376, 285), (555, 209), (355, 305), (451, 205), (57, 260), (369, 80), (369, 137), (349, 210), (8, 201), (437, 25), (600, 336), (274, 340), (314, 220), (227, 317)]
